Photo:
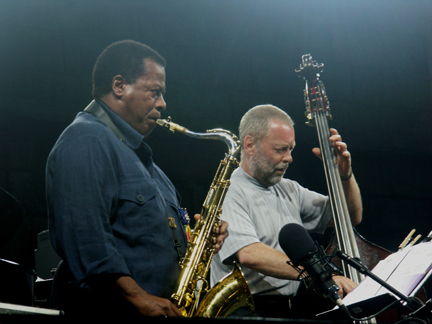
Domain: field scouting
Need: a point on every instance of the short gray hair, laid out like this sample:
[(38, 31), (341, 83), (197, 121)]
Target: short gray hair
[(256, 122)]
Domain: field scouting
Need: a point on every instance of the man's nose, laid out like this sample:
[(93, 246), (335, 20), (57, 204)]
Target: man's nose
[(288, 157), (160, 103)]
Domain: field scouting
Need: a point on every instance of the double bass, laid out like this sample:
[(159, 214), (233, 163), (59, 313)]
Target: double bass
[(317, 113), (345, 237)]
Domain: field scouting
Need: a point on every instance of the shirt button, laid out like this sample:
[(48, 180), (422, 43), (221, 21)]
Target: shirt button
[(140, 198)]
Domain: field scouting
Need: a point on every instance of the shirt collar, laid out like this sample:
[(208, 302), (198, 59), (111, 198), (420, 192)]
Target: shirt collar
[(254, 181), (132, 137)]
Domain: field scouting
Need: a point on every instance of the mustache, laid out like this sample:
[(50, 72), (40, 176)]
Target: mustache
[(283, 166)]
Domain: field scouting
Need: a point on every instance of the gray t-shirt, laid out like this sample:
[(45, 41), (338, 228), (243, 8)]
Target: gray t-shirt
[(257, 214)]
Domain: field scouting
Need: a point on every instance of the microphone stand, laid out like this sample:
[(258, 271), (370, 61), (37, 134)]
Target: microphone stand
[(412, 303)]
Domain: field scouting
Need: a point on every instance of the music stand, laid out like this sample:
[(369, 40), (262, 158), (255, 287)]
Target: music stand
[(398, 277), (363, 308)]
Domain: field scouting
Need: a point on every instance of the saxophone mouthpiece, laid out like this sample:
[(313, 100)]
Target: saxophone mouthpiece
[(169, 125)]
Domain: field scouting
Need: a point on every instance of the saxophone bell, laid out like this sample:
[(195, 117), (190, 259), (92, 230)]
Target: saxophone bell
[(230, 293)]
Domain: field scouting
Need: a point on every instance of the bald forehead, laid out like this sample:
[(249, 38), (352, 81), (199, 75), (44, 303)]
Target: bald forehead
[(276, 124)]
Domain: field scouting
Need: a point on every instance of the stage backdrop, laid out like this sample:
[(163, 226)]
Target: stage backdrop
[(225, 57)]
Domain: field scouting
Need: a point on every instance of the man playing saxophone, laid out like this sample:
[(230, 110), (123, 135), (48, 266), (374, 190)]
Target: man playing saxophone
[(114, 216), (260, 202)]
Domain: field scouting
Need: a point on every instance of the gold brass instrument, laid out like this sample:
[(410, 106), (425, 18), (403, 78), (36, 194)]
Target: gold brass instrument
[(232, 291)]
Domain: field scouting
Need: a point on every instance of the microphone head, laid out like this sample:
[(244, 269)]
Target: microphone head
[(296, 242)]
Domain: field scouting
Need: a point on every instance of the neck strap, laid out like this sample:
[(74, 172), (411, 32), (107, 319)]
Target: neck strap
[(95, 109)]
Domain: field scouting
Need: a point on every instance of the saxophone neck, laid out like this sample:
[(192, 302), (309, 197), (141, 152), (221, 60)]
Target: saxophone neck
[(225, 136), (219, 134)]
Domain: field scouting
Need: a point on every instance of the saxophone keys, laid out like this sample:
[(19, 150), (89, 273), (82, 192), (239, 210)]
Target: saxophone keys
[(216, 226)]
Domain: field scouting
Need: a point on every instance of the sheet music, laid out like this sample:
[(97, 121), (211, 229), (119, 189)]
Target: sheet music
[(415, 266), (403, 270)]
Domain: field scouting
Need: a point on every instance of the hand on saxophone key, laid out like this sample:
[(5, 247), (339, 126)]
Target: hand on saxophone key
[(220, 233)]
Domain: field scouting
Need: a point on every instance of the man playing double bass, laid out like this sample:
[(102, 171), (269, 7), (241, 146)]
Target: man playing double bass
[(260, 202)]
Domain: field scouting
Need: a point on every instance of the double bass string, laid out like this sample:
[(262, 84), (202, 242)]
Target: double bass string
[(342, 222), (344, 233)]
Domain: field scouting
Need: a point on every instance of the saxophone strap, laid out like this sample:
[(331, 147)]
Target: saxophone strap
[(96, 110), (176, 242)]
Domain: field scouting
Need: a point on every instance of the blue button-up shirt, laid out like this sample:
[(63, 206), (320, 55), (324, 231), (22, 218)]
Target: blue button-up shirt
[(108, 209)]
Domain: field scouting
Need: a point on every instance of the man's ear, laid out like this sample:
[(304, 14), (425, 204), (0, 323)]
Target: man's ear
[(249, 145), (118, 85)]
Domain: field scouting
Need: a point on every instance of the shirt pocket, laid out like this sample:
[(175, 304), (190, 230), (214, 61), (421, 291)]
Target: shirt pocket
[(137, 192), (138, 204), (140, 226)]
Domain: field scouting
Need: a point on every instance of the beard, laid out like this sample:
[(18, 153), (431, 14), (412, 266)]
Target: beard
[(264, 170)]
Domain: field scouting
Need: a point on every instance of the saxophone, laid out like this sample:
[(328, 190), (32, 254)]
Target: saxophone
[(232, 291)]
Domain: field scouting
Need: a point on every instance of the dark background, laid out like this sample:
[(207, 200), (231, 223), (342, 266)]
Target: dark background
[(225, 57)]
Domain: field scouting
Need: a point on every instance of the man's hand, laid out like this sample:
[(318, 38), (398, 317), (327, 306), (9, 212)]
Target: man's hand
[(350, 186), (343, 156), (155, 306), (345, 285), (143, 302), (221, 233)]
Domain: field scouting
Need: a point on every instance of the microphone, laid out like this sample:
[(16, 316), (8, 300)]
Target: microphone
[(302, 251)]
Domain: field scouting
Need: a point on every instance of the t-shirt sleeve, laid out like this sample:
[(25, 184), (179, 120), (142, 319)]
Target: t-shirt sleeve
[(241, 229), (314, 210)]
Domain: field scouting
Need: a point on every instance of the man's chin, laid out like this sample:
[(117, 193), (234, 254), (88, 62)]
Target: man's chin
[(275, 179), (147, 131)]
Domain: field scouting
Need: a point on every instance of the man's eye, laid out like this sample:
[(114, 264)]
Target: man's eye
[(157, 93)]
